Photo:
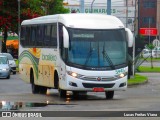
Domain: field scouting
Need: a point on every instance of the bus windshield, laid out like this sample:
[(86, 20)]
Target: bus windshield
[(97, 48)]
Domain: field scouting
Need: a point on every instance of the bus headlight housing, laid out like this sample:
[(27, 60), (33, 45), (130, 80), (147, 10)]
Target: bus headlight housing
[(122, 75), (5, 69), (73, 74)]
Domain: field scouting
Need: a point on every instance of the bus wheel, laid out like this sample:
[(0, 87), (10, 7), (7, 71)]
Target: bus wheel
[(14, 73), (35, 88), (43, 90), (62, 93), (109, 94)]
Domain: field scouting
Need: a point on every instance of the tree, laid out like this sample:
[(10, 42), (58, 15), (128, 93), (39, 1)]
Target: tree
[(151, 47), (9, 15), (54, 7), (29, 9)]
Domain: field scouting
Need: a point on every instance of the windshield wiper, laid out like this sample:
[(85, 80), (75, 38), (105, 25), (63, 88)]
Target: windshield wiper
[(88, 57), (105, 55)]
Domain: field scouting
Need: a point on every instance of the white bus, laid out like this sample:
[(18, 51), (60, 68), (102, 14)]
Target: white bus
[(75, 52)]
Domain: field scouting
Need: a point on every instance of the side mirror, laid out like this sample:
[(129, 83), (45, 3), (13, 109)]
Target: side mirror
[(129, 36), (65, 38)]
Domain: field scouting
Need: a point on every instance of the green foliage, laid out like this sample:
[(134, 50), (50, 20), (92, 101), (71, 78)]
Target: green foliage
[(150, 46), (148, 69), (154, 59), (54, 7), (138, 79), (141, 37), (28, 9)]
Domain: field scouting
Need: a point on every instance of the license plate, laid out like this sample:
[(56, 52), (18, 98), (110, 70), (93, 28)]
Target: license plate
[(98, 89)]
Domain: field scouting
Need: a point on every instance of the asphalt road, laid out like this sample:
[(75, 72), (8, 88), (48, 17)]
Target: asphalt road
[(144, 97)]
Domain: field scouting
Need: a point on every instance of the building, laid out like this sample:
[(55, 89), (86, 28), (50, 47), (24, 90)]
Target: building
[(147, 18), (119, 8), (158, 18)]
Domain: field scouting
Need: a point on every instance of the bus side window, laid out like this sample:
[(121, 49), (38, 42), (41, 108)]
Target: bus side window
[(54, 35), (47, 37), (23, 36), (62, 49), (40, 36), (27, 41), (33, 36)]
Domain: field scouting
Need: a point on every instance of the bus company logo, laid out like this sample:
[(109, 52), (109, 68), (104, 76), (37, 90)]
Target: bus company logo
[(49, 57), (6, 114), (98, 78)]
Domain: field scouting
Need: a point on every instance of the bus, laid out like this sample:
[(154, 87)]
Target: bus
[(72, 52)]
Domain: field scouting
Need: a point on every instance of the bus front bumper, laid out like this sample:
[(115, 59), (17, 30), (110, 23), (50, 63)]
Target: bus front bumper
[(75, 84)]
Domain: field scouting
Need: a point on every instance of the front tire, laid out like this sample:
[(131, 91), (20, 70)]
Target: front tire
[(43, 90), (35, 88), (109, 94), (8, 77), (62, 93)]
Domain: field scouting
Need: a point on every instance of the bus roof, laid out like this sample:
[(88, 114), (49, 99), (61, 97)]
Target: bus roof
[(79, 20)]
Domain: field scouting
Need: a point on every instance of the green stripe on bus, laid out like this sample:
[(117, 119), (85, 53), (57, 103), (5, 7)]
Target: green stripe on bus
[(34, 62)]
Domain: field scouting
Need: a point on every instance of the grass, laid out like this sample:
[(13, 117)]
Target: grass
[(154, 59), (148, 69), (138, 79)]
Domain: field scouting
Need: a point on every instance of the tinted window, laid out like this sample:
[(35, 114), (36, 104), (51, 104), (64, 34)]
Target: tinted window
[(33, 36), (43, 35), (54, 35), (47, 36), (9, 56), (40, 35), (23, 36), (3, 60)]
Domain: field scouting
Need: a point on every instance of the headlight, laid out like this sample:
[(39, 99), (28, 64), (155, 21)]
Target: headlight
[(73, 74), (5, 69), (121, 75), (3, 103)]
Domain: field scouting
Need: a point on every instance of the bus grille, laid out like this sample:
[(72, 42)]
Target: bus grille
[(91, 85), (95, 78)]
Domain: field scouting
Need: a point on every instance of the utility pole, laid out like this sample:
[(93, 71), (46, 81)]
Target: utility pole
[(126, 13), (19, 17), (133, 52), (19, 22), (82, 6), (149, 30), (108, 7), (138, 16)]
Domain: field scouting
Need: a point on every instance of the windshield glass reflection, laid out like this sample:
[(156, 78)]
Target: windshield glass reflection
[(97, 48)]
